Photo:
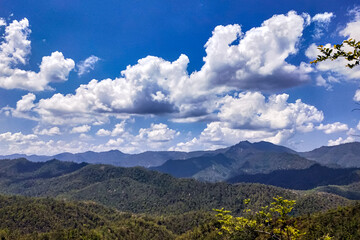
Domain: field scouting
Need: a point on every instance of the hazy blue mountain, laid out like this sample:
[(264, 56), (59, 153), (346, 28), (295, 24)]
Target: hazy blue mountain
[(157, 158), (218, 165), (113, 157), (34, 158), (117, 158), (343, 155), (303, 179), (249, 157), (242, 158)]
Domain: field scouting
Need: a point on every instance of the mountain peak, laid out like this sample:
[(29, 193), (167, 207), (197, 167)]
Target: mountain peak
[(115, 151), (262, 146), (243, 144)]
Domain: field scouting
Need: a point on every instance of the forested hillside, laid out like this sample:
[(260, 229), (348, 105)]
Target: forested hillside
[(46, 218), (33, 218), (139, 190), (303, 179)]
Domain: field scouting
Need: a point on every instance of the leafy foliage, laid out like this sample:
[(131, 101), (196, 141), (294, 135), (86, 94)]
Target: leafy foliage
[(272, 221), (338, 51)]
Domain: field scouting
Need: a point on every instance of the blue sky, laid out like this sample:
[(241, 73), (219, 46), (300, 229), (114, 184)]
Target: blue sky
[(174, 75)]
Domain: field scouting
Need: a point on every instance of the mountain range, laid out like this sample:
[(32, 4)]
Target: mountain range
[(242, 158), (344, 155), (115, 157), (260, 162), (140, 190), (76, 199)]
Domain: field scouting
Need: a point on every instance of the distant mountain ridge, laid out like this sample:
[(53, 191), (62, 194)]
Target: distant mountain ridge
[(343, 155), (259, 157), (116, 157), (303, 179), (242, 158), (146, 159)]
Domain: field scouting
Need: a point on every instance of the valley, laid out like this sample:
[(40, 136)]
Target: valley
[(191, 187)]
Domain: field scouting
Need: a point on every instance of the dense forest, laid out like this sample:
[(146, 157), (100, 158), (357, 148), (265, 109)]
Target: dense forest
[(139, 190), (67, 200), (46, 218)]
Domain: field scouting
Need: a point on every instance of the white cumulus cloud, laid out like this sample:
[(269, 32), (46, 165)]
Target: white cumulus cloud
[(131, 94), (119, 129), (352, 29), (157, 133), (87, 65), (49, 132), (252, 63), (250, 116), (156, 86), (357, 96), (26, 103), (322, 21), (103, 132), (340, 140), (31, 144), (14, 50), (17, 142), (81, 129), (157, 137), (323, 17), (333, 127), (23, 108), (251, 110), (17, 137)]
